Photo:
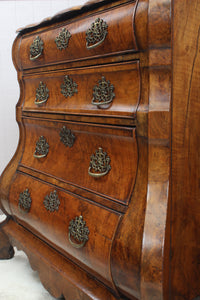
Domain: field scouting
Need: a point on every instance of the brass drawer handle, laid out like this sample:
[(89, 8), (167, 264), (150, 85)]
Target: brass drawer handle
[(96, 34), (51, 202), (42, 148), (42, 94), (25, 201), (100, 163), (69, 87), (36, 48), (103, 93), (62, 39), (79, 231), (67, 137)]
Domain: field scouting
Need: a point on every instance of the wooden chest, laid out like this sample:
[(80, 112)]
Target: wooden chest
[(103, 191)]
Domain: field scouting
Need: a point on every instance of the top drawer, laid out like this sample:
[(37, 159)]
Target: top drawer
[(99, 34)]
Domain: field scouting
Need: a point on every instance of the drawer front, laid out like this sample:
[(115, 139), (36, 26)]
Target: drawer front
[(100, 34), (95, 158), (112, 90), (79, 229)]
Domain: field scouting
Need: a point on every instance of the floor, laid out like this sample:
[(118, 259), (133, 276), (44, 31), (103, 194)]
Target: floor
[(18, 281)]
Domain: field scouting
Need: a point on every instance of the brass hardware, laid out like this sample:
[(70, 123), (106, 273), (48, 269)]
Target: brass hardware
[(78, 231), (68, 88), (51, 201), (42, 148), (103, 93), (42, 93), (25, 201), (62, 39), (67, 137), (36, 48), (100, 163), (96, 34)]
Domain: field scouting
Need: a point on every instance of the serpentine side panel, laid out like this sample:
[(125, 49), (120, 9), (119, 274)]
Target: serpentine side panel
[(9, 172), (155, 244)]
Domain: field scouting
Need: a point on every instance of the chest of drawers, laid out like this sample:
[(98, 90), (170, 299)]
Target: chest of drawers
[(102, 193)]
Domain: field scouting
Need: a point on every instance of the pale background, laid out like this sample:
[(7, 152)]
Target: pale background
[(13, 15), (17, 280)]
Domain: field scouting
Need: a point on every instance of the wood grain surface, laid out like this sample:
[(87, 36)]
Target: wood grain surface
[(124, 103), (114, 43), (143, 216), (53, 226), (185, 234), (71, 164)]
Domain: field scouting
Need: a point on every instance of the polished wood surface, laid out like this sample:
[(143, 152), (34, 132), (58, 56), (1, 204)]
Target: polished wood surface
[(71, 163), (114, 43), (53, 226), (60, 276), (127, 248), (185, 235), (143, 215), (123, 105)]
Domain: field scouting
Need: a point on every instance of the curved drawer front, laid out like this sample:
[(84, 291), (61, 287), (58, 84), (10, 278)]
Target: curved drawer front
[(96, 158), (88, 37), (55, 216), (112, 90)]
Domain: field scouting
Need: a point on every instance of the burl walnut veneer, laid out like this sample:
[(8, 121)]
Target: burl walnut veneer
[(103, 192)]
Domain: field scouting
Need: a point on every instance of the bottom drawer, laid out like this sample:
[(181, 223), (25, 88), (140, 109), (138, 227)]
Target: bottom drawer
[(79, 229)]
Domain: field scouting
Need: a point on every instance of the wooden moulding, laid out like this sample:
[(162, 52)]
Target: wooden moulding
[(154, 282), (138, 269)]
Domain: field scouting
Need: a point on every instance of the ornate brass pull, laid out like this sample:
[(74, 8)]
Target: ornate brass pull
[(103, 93), (42, 148), (69, 87), (51, 201), (25, 201), (36, 48), (67, 137), (62, 39), (96, 34), (79, 231), (100, 163), (42, 94)]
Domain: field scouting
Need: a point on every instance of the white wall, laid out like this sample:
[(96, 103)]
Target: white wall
[(13, 15)]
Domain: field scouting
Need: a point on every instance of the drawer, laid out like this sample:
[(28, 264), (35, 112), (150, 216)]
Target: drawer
[(109, 90), (95, 35), (95, 158), (49, 212)]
